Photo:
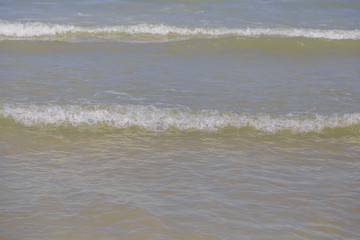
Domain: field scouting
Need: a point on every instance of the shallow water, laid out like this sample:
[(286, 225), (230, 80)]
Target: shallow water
[(64, 184), (179, 119)]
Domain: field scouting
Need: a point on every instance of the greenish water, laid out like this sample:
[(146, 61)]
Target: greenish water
[(179, 119)]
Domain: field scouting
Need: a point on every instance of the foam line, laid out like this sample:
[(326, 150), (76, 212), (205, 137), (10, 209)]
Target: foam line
[(39, 29), (158, 119)]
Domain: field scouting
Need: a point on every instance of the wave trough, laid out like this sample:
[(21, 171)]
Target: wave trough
[(161, 119), (39, 30)]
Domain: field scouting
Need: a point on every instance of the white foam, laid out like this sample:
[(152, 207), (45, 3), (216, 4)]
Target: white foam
[(160, 119), (39, 29), (117, 93)]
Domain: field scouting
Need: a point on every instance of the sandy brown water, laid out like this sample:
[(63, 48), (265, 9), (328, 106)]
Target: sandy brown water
[(126, 185), (230, 119)]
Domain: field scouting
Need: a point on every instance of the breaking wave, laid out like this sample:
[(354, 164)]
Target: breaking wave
[(161, 119), (39, 30)]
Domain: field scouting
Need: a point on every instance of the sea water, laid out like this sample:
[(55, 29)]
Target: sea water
[(180, 119)]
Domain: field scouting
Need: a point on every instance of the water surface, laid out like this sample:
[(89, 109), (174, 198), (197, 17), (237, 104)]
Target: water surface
[(179, 119)]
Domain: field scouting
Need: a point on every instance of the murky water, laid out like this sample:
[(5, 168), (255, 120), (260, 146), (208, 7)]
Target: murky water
[(179, 120)]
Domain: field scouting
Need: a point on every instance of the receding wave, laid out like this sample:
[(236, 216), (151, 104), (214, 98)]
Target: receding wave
[(46, 31), (161, 119)]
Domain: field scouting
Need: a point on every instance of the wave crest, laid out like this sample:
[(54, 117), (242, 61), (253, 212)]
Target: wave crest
[(39, 30), (158, 119)]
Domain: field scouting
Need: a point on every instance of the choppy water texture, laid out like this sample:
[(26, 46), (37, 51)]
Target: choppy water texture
[(179, 119)]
